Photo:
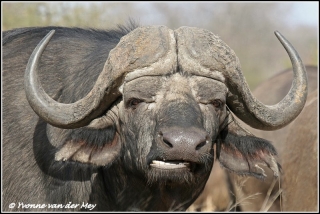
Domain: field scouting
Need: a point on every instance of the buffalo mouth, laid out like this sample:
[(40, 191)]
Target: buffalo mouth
[(174, 172), (173, 165)]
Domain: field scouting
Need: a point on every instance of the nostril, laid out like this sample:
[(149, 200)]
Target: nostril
[(168, 143), (201, 145), (164, 140), (203, 142)]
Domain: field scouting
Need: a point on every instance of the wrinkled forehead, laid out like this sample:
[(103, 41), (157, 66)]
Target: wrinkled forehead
[(174, 86), (160, 51)]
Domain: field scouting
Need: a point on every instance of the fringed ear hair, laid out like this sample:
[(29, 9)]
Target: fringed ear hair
[(241, 152), (95, 146)]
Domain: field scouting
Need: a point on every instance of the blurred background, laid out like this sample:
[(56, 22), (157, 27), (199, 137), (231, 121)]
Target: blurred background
[(246, 27)]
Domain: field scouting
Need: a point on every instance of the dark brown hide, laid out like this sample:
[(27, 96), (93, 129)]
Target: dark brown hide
[(300, 177)]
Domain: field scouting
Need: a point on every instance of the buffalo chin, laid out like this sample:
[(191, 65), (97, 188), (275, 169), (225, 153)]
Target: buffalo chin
[(175, 176), (171, 176)]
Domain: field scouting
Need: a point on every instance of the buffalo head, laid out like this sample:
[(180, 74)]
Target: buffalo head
[(162, 100)]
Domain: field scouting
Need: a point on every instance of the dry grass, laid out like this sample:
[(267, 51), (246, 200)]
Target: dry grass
[(266, 206), (209, 204)]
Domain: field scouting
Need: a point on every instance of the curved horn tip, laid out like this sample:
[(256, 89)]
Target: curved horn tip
[(50, 34), (279, 35), (277, 32)]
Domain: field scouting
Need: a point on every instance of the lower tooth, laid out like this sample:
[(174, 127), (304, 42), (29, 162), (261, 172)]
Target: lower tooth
[(176, 164)]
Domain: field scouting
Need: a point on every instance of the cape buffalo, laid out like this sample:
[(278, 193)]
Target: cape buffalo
[(126, 119)]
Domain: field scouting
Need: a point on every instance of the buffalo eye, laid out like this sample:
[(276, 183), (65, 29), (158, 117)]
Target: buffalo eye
[(217, 103), (133, 103)]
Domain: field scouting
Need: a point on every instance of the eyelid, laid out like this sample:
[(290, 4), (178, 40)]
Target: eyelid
[(131, 100), (217, 103)]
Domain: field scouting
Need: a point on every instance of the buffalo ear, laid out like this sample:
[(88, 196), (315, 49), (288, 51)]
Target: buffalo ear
[(92, 146), (241, 152)]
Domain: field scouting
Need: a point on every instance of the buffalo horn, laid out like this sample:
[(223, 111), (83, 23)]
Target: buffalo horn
[(266, 117), (141, 48)]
